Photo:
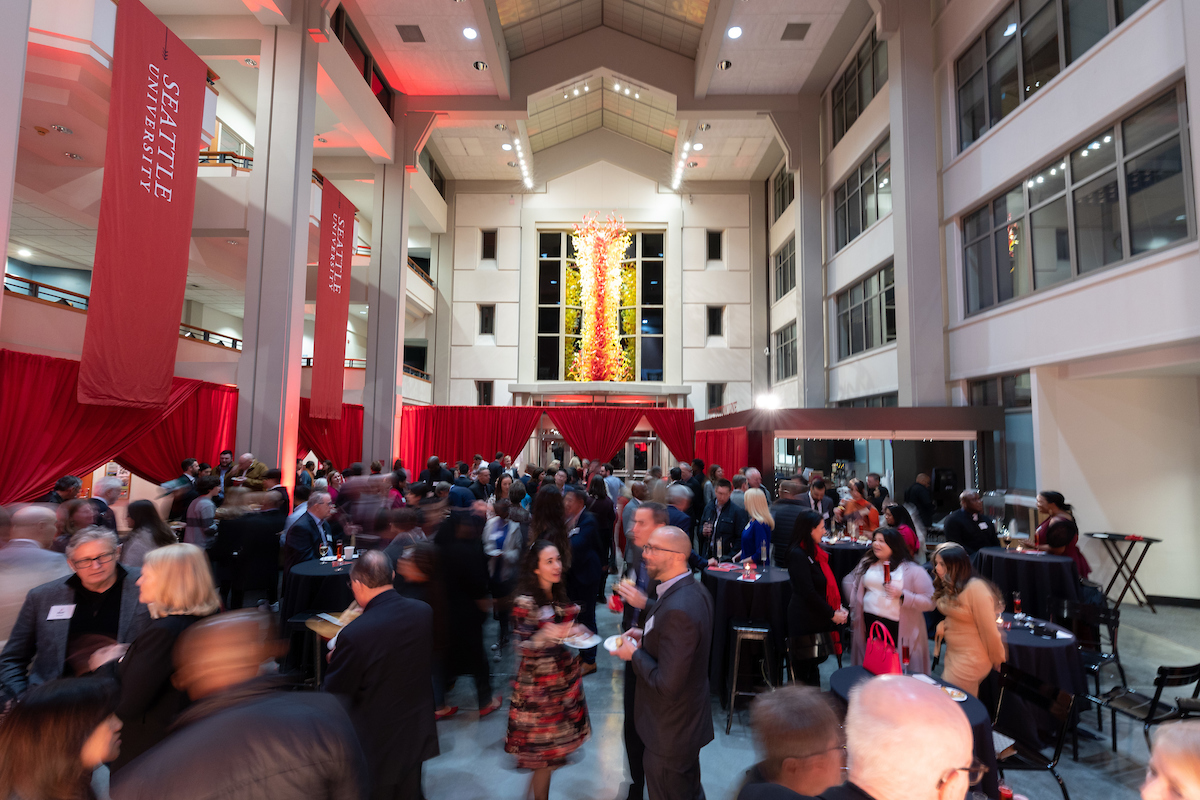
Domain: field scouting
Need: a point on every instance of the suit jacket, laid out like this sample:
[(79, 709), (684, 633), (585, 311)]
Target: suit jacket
[(303, 542), (680, 519), (583, 578), (383, 669), (481, 491), (784, 510), (105, 517), (36, 651), (972, 531), (441, 474), (636, 617), (826, 510), (253, 474), (672, 711), (24, 565)]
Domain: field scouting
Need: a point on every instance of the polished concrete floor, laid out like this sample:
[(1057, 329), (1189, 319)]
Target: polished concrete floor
[(474, 766)]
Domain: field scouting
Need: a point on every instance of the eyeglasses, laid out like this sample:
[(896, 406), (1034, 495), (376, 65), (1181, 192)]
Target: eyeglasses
[(98, 561), (975, 773), (649, 548)]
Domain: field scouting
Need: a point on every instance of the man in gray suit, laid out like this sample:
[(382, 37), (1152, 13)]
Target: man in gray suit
[(27, 561), (671, 708), (62, 623)]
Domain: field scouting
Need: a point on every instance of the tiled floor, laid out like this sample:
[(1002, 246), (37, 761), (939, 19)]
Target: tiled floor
[(474, 766)]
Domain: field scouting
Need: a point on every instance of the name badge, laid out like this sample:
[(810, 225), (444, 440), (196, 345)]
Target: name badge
[(61, 612), (649, 626), (983, 526)]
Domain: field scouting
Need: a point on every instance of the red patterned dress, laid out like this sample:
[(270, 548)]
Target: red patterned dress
[(547, 718)]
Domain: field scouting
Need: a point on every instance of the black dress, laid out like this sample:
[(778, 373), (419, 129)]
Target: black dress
[(808, 613)]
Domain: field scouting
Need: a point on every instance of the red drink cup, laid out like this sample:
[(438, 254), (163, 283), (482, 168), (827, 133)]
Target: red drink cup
[(887, 572)]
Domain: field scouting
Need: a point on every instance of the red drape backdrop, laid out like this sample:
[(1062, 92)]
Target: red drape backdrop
[(456, 433), (725, 446), (595, 432), (676, 428), (338, 440), (48, 433), (200, 428)]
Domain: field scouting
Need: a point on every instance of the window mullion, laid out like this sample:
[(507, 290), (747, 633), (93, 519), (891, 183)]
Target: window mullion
[(1122, 198), (1062, 39)]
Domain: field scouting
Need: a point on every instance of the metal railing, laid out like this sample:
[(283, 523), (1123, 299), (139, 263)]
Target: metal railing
[(422, 274), (216, 158), (351, 363), (720, 411), (212, 337), (41, 291), (416, 373)]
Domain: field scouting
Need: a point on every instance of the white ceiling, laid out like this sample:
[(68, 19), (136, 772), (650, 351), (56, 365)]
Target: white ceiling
[(674, 25), (643, 115), (471, 150), (54, 241), (732, 149), (442, 64), (530, 25)]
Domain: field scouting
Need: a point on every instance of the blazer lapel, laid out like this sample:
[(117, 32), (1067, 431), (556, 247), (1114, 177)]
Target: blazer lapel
[(129, 607)]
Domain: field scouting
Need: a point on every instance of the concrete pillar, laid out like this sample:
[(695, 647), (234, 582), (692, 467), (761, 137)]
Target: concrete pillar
[(1191, 71), (277, 261), (920, 314), (387, 282), (810, 272), (12, 64)]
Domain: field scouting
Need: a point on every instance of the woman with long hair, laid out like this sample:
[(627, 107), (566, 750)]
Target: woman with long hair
[(1058, 533), (757, 533), (974, 646), (816, 605), (420, 579), (503, 485), (857, 508), (715, 473), (547, 718), (52, 740), (147, 531), (548, 520), (898, 598), (177, 587), (897, 516)]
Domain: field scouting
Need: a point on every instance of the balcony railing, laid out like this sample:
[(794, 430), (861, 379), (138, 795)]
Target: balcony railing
[(212, 337), (41, 291), (422, 274), (351, 363), (416, 373), (217, 158)]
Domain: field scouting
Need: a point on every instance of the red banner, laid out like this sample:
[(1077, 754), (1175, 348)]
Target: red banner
[(333, 303), (146, 205)]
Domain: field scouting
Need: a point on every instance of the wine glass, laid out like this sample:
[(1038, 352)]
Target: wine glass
[(1017, 606), (323, 549)]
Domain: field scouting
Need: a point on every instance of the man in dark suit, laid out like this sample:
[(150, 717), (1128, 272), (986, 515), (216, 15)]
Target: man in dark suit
[(968, 525), (583, 578), (482, 487), (785, 510), (679, 503), (181, 501), (672, 709), (922, 499), (434, 472), (382, 666), (62, 622), (304, 538), (817, 500), (106, 492), (723, 521)]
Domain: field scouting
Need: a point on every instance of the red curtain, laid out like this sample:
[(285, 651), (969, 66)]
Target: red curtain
[(338, 440), (456, 433), (48, 433), (200, 428), (676, 428), (725, 446), (595, 432)]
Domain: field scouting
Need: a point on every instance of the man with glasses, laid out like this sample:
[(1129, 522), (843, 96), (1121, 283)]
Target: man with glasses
[(307, 534), (905, 738), (797, 733), (63, 622)]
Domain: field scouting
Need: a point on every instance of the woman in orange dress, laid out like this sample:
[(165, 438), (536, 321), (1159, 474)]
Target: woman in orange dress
[(858, 507)]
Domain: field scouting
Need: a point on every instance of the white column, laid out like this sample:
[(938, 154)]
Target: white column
[(810, 274), (1191, 70), (277, 261), (14, 41), (920, 328)]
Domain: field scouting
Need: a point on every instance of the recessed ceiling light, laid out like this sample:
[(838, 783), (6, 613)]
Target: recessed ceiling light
[(470, 33), (693, 164), (576, 92), (23, 253), (62, 129), (500, 126), (735, 32), (250, 62), (480, 65), (626, 90), (75, 156), (512, 164), (585, 88), (528, 183), (724, 65), (231, 241), (565, 96), (703, 126), (698, 146), (616, 86), (506, 146)]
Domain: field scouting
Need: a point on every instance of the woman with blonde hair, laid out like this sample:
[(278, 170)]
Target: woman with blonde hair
[(974, 646), (177, 586), (1174, 769), (756, 536)]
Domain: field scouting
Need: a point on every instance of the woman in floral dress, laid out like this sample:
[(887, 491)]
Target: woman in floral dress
[(547, 718)]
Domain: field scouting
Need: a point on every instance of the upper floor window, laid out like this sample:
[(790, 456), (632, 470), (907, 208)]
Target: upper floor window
[(784, 185), (714, 245), (1121, 192), (861, 81), (785, 352), (1029, 43), (866, 313), (886, 400), (785, 268), (488, 250), (364, 62), (865, 197)]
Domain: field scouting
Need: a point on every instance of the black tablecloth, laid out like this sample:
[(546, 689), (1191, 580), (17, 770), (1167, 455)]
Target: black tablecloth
[(844, 557), (1037, 578), (846, 678), (765, 601), (313, 586)]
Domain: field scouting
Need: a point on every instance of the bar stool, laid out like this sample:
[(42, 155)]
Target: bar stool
[(745, 632)]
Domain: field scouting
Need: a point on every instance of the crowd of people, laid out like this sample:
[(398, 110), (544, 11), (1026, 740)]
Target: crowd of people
[(130, 646)]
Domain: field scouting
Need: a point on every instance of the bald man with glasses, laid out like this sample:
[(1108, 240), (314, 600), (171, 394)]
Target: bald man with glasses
[(671, 707)]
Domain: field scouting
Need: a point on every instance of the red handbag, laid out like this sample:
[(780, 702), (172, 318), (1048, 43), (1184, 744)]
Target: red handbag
[(880, 657)]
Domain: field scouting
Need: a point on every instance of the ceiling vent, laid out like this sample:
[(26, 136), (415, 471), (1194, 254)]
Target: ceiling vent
[(412, 33), (794, 32)]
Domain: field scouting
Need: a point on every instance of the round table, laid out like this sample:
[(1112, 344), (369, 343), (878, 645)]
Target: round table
[(844, 557), (764, 601), (313, 586), (845, 679), (1037, 577)]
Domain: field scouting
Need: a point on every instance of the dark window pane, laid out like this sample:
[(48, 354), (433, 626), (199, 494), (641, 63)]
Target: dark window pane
[(1048, 182), (870, 211), (883, 153), (652, 283), (976, 225), (550, 245), (843, 332), (487, 320), (1002, 31), (652, 358), (866, 86), (864, 53), (874, 322), (548, 320), (1017, 390), (716, 320), (547, 358), (839, 120), (853, 216), (851, 104), (972, 109), (716, 395), (1051, 244), (1009, 206), (889, 315), (977, 266), (1098, 223), (1012, 274), (856, 329), (1094, 156), (840, 225), (489, 245), (1039, 44), (1127, 7), (1085, 23), (570, 247), (969, 62), (356, 52), (631, 251), (549, 285), (984, 393), (1155, 186), (652, 245), (1002, 82), (881, 66), (652, 321), (714, 245), (1150, 123)]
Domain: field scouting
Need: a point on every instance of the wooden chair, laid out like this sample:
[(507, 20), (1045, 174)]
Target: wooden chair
[(1027, 755), (1152, 711), (1094, 658)]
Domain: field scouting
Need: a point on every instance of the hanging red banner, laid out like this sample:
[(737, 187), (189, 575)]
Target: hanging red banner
[(146, 204), (333, 303)]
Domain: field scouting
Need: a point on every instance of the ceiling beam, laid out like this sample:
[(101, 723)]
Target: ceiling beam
[(495, 47), (715, 23)]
